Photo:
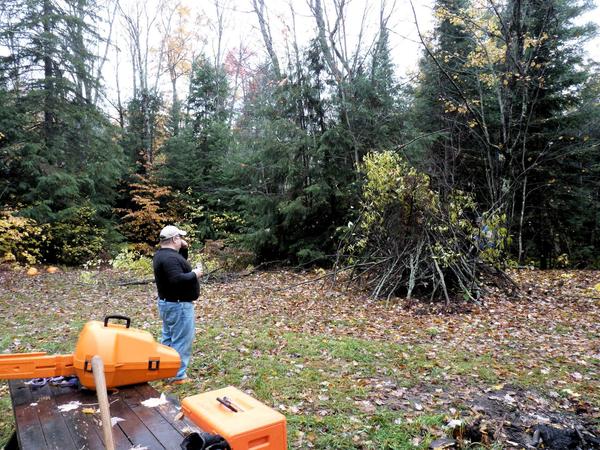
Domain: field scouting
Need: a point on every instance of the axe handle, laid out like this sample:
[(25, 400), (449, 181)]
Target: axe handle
[(100, 381)]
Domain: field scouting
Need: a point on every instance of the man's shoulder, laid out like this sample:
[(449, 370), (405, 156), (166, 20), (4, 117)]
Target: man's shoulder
[(167, 254)]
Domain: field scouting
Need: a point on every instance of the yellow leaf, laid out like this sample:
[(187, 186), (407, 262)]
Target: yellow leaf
[(88, 411)]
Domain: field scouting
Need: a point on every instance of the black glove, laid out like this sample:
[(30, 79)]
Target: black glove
[(204, 441)]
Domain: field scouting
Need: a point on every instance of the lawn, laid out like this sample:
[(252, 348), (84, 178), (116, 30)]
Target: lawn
[(346, 370)]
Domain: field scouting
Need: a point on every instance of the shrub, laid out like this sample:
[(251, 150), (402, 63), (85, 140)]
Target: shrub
[(131, 260), (75, 238), (218, 255), (409, 239), (22, 240), (143, 221)]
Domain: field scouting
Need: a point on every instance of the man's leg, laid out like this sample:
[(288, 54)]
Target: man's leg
[(167, 322), (182, 335)]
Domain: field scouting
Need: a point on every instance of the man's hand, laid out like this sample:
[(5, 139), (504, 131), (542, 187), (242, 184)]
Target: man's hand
[(198, 270)]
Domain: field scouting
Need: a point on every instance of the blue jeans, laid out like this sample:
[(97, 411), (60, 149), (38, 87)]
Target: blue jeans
[(178, 330)]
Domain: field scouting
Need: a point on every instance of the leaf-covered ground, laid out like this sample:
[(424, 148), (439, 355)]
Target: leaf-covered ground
[(349, 371)]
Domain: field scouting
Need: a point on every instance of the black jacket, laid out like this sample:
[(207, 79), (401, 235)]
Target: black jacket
[(173, 276)]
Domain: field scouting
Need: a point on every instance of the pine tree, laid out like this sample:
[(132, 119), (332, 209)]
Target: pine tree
[(70, 155), (503, 100)]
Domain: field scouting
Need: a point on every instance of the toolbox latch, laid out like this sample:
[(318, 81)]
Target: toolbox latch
[(87, 366), (153, 364)]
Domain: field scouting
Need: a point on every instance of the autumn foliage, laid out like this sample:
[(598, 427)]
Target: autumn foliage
[(21, 240), (408, 239), (142, 222)]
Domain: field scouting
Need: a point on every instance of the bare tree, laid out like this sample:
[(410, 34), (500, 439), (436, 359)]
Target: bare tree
[(139, 23), (110, 10), (344, 62), (263, 21), (178, 35), (236, 66)]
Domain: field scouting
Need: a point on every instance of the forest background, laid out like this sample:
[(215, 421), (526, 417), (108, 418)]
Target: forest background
[(308, 144), (304, 151)]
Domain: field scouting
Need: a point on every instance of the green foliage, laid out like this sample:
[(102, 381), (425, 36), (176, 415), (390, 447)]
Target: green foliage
[(493, 238), (58, 148), (143, 127), (208, 94), (221, 256), (407, 239), (76, 237), (505, 109), (22, 240), (295, 175), (129, 259), (500, 100)]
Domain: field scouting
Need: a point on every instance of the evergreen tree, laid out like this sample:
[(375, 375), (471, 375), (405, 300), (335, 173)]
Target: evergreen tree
[(62, 148), (144, 129), (196, 156), (436, 98), (373, 104), (502, 99), (553, 154), (288, 175)]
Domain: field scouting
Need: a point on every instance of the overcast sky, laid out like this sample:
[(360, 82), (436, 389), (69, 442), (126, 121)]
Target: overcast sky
[(241, 26)]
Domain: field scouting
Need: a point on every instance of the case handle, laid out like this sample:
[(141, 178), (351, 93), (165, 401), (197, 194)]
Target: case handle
[(229, 404), (126, 319)]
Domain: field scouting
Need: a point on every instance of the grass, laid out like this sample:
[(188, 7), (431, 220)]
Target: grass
[(344, 376), (316, 381)]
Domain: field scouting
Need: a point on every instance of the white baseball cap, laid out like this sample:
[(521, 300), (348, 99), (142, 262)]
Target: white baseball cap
[(170, 231)]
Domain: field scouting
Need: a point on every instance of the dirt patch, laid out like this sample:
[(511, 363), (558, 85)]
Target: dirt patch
[(521, 418)]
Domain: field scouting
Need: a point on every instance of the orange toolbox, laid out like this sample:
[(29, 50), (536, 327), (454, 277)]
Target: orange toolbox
[(129, 355), (244, 422)]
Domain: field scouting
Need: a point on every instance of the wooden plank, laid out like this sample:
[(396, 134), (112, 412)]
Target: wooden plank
[(29, 428), (19, 392), (54, 427), (161, 427), (84, 428), (41, 426), (135, 430), (168, 411)]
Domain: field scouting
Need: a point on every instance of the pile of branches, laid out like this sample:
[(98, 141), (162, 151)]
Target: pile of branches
[(408, 240)]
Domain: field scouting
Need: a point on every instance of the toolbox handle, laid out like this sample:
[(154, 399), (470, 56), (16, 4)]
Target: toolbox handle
[(116, 316), (228, 404)]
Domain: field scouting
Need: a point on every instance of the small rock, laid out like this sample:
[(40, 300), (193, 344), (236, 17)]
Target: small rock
[(443, 443)]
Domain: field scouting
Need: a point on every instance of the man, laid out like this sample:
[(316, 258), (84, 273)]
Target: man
[(178, 287)]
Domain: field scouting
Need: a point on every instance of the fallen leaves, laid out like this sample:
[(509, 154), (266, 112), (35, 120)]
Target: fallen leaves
[(410, 359)]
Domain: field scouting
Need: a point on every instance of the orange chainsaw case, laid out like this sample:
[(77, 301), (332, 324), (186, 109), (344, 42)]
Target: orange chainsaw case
[(129, 355), (254, 426)]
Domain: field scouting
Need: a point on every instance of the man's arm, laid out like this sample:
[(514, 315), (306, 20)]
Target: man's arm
[(175, 272), (183, 251)]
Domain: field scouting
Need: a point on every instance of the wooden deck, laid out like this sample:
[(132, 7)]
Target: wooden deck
[(41, 425)]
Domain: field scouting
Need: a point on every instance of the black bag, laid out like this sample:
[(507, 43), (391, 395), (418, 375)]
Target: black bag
[(204, 441)]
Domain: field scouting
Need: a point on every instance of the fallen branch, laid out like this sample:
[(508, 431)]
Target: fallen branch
[(136, 282)]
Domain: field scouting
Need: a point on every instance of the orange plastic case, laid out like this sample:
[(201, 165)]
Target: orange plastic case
[(129, 355), (244, 422)]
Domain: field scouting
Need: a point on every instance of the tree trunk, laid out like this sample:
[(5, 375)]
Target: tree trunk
[(48, 81), (259, 8), (521, 219)]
